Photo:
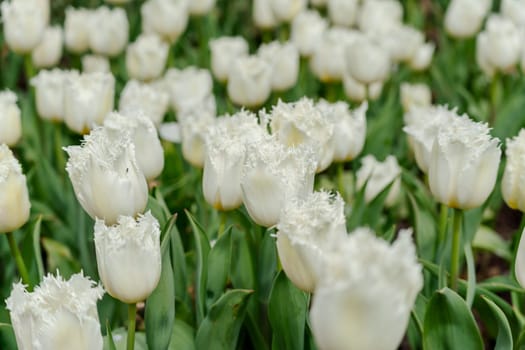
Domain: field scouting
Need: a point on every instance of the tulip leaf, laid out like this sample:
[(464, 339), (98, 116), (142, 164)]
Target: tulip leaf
[(120, 337), (449, 323), (287, 311), (220, 329), (36, 247), (243, 270), (178, 263), (504, 340), (182, 337), (267, 267), (203, 248), (218, 268), (424, 228), (109, 342), (489, 240), (160, 305)]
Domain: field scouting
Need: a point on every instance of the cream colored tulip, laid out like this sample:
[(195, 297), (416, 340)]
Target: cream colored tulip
[(49, 52), (224, 51), (10, 119), (146, 57), (250, 81)]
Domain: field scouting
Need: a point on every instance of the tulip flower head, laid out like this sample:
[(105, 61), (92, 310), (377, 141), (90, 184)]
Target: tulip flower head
[(224, 51), (250, 81), (49, 51), (137, 96), (307, 31), (166, 18), (10, 119), (308, 230), (109, 31), (146, 57), (194, 127), (77, 28), (463, 164), (360, 293), (286, 10), (95, 64), (106, 177), (128, 257), (263, 16), (377, 176), (284, 62), (49, 92), (58, 314), (512, 185), (463, 18), (415, 95), (14, 197), (189, 88)]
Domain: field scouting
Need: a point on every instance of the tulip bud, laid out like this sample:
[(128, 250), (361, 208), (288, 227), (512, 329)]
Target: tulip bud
[(307, 31), (189, 88), (302, 123), (146, 57), (354, 90), (415, 95), (250, 81), (463, 18), (106, 177), (109, 31), (379, 16), (499, 46), (422, 127), (127, 252), (77, 28), (200, 7), (377, 176), (274, 174), (512, 186), (349, 128), (224, 51), (514, 10), (307, 230), (224, 158), (87, 100), (166, 18), (367, 62), (148, 150), (49, 51), (464, 163), (95, 64), (286, 10), (360, 294), (58, 314), (141, 97), (263, 16), (10, 119), (14, 198), (49, 92), (194, 126), (342, 12), (422, 57), (284, 62), (24, 23)]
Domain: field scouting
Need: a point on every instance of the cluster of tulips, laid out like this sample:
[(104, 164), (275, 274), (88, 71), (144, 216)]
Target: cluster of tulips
[(262, 158)]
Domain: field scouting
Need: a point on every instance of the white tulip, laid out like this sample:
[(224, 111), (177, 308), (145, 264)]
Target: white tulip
[(58, 314), (127, 252), (415, 95), (379, 16), (464, 163), (349, 128), (377, 176), (367, 62), (284, 62), (106, 177), (148, 149), (307, 231), (422, 58), (307, 31), (14, 197), (391, 37), (423, 124), (10, 119), (108, 31), (189, 88), (303, 123), (142, 97), (49, 52), (224, 51), (286, 10), (24, 23), (274, 174), (342, 12), (512, 186), (77, 28), (49, 92), (250, 81), (354, 90), (200, 7), (263, 16), (514, 10), (463, 18), (499, 46), (87, 99), (361, 293), (194, 126), (224, 158), (146, 57), (166, 18), (95, 64)]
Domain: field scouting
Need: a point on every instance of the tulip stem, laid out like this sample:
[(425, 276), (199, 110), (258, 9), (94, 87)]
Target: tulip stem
[(28, 67), (132, 315), (22, 269), (442, 233), (456, 240), (495, 97)]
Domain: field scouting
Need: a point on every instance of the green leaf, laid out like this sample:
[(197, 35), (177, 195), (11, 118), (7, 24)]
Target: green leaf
[(489, 240), (109, 343), (203, 248), (243, 270), (59, 257), (182, 337), (36, 247), (471, 282), (220, 329), (218, 268), (178, 263), (504, 339), (424, 228), (449, 323), (120, 338), (287, 311), (160, 305)]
